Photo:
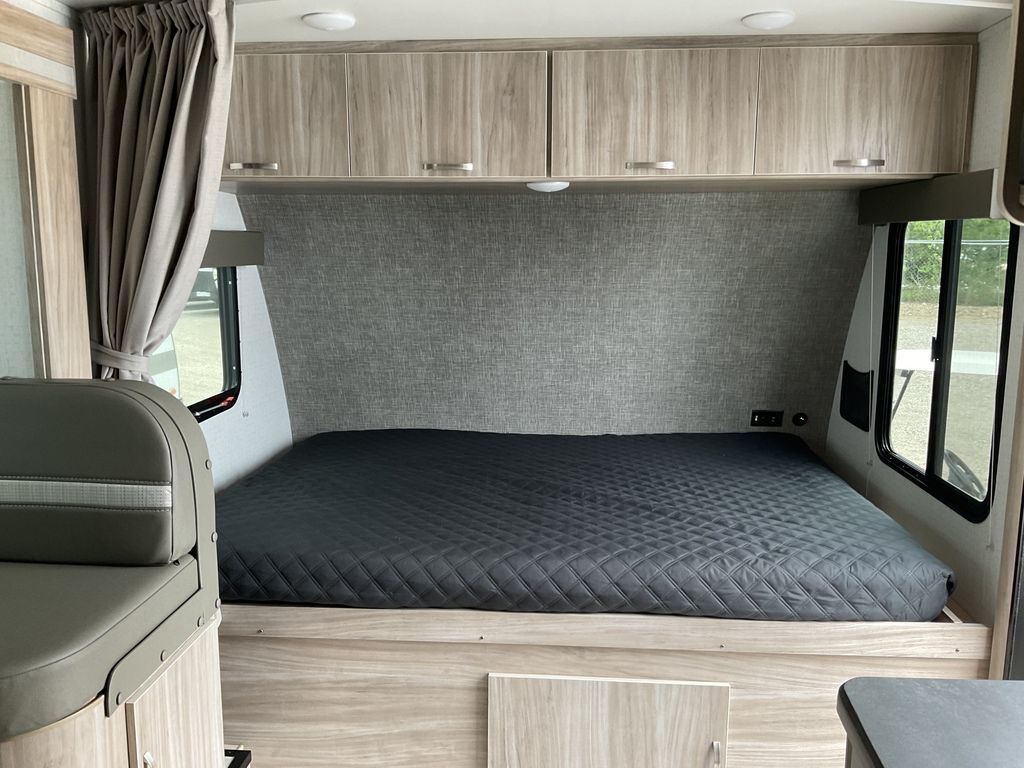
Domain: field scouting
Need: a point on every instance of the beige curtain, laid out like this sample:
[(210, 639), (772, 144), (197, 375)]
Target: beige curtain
[(154, 104)]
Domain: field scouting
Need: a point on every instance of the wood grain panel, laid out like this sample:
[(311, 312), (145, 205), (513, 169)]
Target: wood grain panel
[(290, 110), (317, 687), (60, 255), (655, 633), (905, 105), (34, 34), (177, 718), (86, 738), (488, 109), (537, 721), (319, 703), (604, 43), (693, 107)]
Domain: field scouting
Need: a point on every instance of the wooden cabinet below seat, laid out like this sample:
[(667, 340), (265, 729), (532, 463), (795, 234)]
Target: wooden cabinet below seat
[(449, 114), (683, 112), (892, 109)]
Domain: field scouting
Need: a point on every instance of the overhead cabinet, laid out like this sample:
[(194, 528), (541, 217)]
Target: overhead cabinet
[(893, 109), (654, 112), (448, 114), (288, 116), (898, 111)]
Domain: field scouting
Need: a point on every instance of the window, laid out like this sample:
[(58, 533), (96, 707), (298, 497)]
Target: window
[(944, 340), (199, 362)]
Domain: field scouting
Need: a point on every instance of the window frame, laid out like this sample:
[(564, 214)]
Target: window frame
[(230, 343), (931, 480)]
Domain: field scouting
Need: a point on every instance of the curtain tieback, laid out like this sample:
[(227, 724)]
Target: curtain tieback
[(112, 358)]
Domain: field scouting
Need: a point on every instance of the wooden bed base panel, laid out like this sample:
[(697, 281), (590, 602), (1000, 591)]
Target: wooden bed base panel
[(316, 687)]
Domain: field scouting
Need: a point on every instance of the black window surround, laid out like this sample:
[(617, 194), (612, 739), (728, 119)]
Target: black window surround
[(227, 288), (931, 479)]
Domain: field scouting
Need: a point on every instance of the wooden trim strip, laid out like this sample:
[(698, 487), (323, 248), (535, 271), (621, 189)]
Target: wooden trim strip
[(395, 184), (30, 78), (37, 35), (626, 631), (599, 43)]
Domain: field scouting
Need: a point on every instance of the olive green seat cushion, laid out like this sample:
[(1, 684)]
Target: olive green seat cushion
[(64, 627)]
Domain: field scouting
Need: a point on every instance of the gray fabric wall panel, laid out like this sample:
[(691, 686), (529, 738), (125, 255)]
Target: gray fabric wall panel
[(580, 314)]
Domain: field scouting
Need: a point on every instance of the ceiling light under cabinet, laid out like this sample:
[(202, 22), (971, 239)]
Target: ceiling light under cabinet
[(547, 186), (330, 21), (766, 21)]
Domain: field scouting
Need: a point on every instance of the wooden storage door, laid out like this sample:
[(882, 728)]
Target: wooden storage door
[(176, 722), (288, 110), (540, 721), (906, 106), (693, 108), (437, 114)]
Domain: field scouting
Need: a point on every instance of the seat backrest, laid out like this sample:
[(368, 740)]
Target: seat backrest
[(98, 473)]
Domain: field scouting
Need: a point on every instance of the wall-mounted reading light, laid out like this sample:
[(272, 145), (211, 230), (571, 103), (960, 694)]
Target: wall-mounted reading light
[(330, 21), (547, 186)]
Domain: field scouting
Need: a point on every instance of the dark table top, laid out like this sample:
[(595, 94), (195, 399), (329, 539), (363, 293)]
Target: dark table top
[(906, 723)]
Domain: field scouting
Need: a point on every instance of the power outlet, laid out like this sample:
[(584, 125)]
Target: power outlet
[(766, 418)]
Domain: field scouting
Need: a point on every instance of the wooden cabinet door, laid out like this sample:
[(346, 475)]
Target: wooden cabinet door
[(177, 721), (449, 114), (540, 721), (86, 739), (846, 110), (694, 109), (289, 110)]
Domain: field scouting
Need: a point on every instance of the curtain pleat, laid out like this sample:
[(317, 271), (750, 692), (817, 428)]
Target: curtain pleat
[(156, 87)]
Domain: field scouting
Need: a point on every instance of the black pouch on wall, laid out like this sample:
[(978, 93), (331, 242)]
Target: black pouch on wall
[(855, 397)]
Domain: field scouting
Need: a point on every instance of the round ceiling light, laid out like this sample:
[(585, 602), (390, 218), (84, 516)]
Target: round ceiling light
[(330, 21), (547, 186), (766, 21)]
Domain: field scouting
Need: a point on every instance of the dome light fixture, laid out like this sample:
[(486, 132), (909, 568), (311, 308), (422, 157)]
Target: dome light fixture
[(330, 21), (768, 21), (549, 185)]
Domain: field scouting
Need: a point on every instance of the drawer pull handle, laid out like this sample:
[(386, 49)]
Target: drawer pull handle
[(148, 760), (860, 162), (658, 165), (716, 747), (253, 167), (447, 166)]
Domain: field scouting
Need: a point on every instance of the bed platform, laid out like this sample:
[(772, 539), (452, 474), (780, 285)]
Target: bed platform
[(742, 526), (569, 541)]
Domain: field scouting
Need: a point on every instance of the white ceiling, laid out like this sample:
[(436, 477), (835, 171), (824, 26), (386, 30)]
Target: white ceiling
[(269, 20), (279, 20)]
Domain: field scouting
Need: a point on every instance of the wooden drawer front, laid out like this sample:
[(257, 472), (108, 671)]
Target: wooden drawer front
[(694, 108), (442, 110), (537, 721), (904, 105), (288, 110)]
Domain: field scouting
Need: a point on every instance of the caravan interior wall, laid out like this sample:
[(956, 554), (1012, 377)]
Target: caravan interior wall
[(617, 313), (971, 549)]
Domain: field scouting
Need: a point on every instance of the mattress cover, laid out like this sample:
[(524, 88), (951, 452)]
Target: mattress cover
[(749, 526)]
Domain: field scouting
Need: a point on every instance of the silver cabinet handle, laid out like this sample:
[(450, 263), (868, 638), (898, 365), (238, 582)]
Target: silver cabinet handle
[(716, 748), (148, 760), (860, 162), (658, 165), (253, 167), (447, 166)]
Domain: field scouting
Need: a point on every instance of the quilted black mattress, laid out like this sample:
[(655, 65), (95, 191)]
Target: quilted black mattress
[(748, 526)]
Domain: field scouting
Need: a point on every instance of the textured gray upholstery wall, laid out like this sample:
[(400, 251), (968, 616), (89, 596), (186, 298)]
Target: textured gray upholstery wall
[(623, 313)]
